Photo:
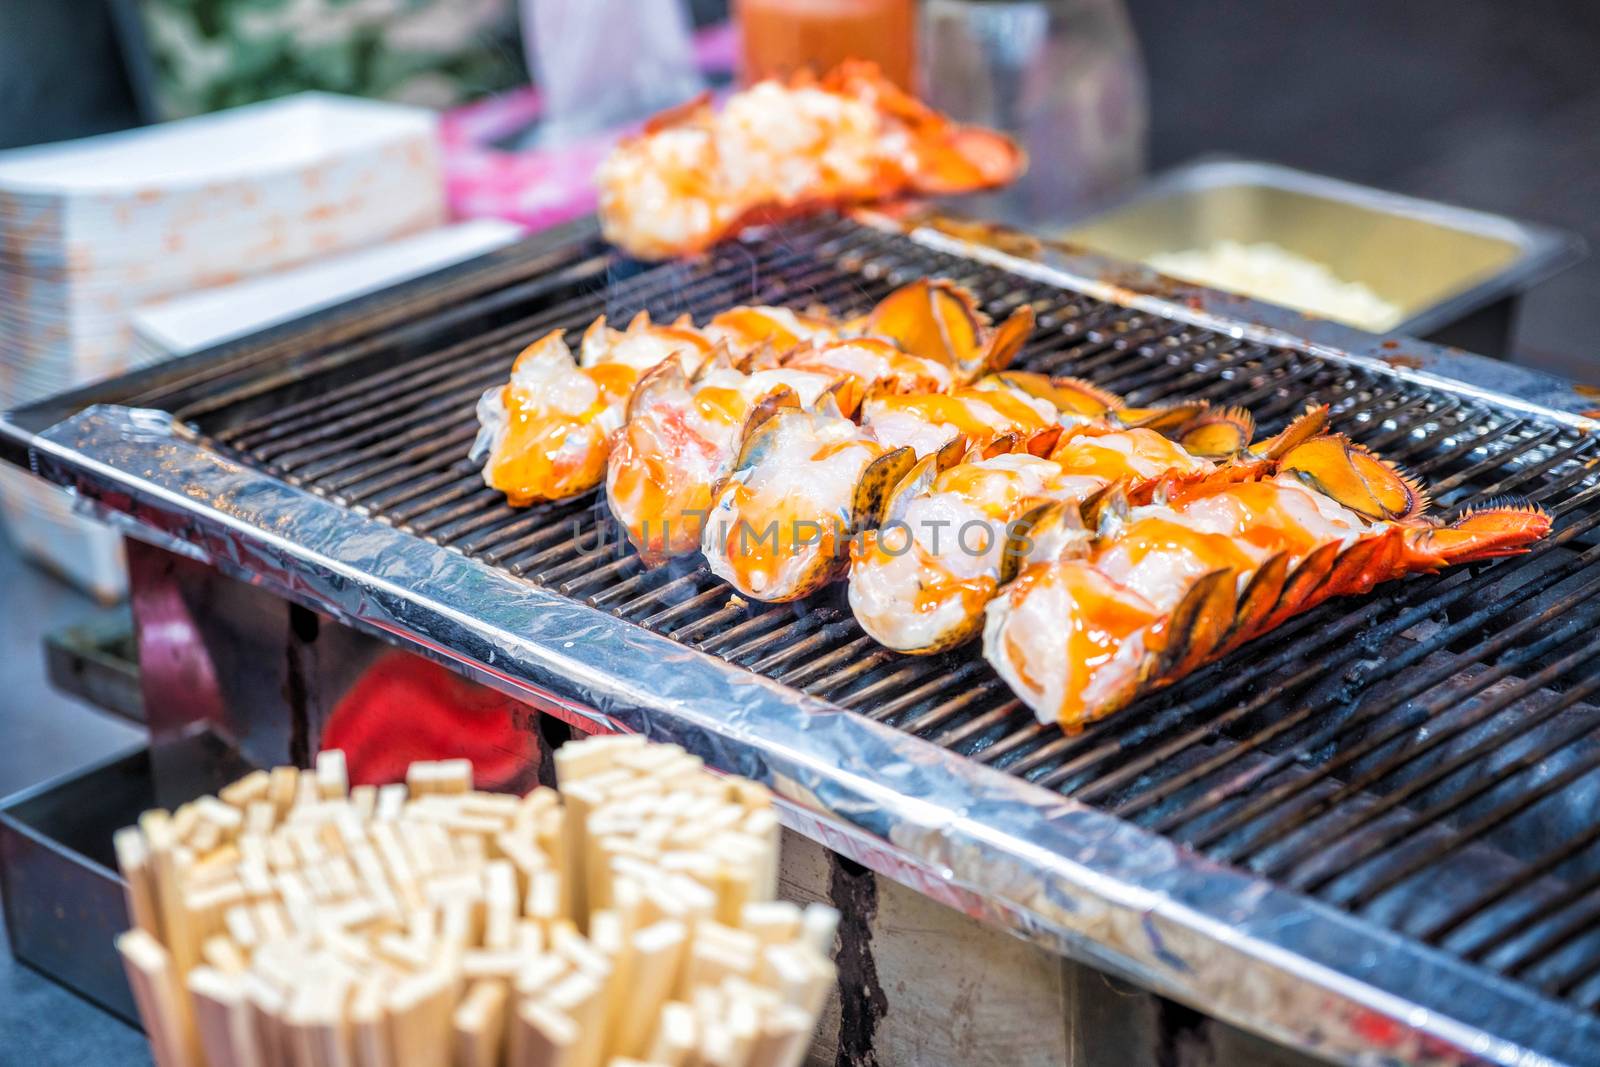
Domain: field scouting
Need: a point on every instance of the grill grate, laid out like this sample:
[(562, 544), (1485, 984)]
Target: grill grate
[(1426, 757)]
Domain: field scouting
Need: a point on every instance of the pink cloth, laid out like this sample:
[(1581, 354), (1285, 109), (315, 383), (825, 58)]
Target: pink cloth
[(539, 187)]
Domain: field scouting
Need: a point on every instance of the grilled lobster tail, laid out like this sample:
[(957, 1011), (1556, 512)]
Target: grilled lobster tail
[(1167, 588)]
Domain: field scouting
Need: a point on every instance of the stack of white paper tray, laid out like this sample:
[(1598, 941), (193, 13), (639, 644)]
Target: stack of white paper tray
[(91, 230)]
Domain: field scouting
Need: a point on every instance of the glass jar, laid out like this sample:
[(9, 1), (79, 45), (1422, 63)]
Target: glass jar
[(1064, 77), (782, 36)]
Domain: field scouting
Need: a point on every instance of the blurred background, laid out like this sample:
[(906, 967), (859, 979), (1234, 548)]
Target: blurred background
[(1477, 102)]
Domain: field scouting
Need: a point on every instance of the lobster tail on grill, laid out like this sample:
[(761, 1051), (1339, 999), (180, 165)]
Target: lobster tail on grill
[(1174, 586)]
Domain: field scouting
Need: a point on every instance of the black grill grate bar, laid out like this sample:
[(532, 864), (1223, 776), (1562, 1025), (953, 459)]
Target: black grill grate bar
[(1377, 845), (553, 555), (450, 486), (1504, 890), (941, 713), (604, 573), (730, 624), (1481, 710), (631, 607), (560, 575), (434, 490), (913, 683), (838, 666), (1479, 437), (818, 642), (1443, 486), (543, 523), (399, 468), (1209, 359), (662, 618), (1005, 720), (1518, 478), (1572, 985), (773, 625), (458, 532), (1527, 956)]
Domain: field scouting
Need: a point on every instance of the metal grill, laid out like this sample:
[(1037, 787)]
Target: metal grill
[(1425, 757)]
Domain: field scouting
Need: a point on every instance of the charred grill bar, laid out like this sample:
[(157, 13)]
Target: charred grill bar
[(1372, 829)]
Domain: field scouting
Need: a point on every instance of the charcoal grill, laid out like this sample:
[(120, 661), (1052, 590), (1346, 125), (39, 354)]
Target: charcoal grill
[(1369, 834)]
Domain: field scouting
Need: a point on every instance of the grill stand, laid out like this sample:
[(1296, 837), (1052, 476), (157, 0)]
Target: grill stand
[(1078, 882), (1072, 877)]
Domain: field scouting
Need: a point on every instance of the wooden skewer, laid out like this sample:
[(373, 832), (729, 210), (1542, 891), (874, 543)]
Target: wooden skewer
[(656, 958), (675, 1037), (391, 802), (500, 904), (223, 1017), (820, 923), (247, 790), (283, 783), (544, 1037), (333, 780), (133, 858), (370, 1043), (266, 1010), (315, 1022), (419, 1019), (479, 1025), (784, 1037), (580, 997), (153, 977), (221, 953)]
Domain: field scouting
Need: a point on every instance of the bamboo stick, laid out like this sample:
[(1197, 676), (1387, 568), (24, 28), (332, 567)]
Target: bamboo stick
[(785, 1034), (370, 1041), (333, 780), (657, 957), (251, 788), (223, 1018), (133, 859), (545, 1037), (580, 997), (675, 1037), (419, 1019), (266, 1012), (479, 1025), (153, 977)]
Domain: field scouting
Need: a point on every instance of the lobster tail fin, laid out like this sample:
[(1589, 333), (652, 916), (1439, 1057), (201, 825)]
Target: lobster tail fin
[(1339, 468), (1005, 342), (1308, 424), (1219, 433), (1069, 396), (1505, 526), (1163, 420)]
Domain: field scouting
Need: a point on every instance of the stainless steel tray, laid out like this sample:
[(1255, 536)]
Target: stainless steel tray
[(1443, 266)]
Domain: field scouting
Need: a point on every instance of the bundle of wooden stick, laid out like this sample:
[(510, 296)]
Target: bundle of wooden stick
[(628, 920)]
